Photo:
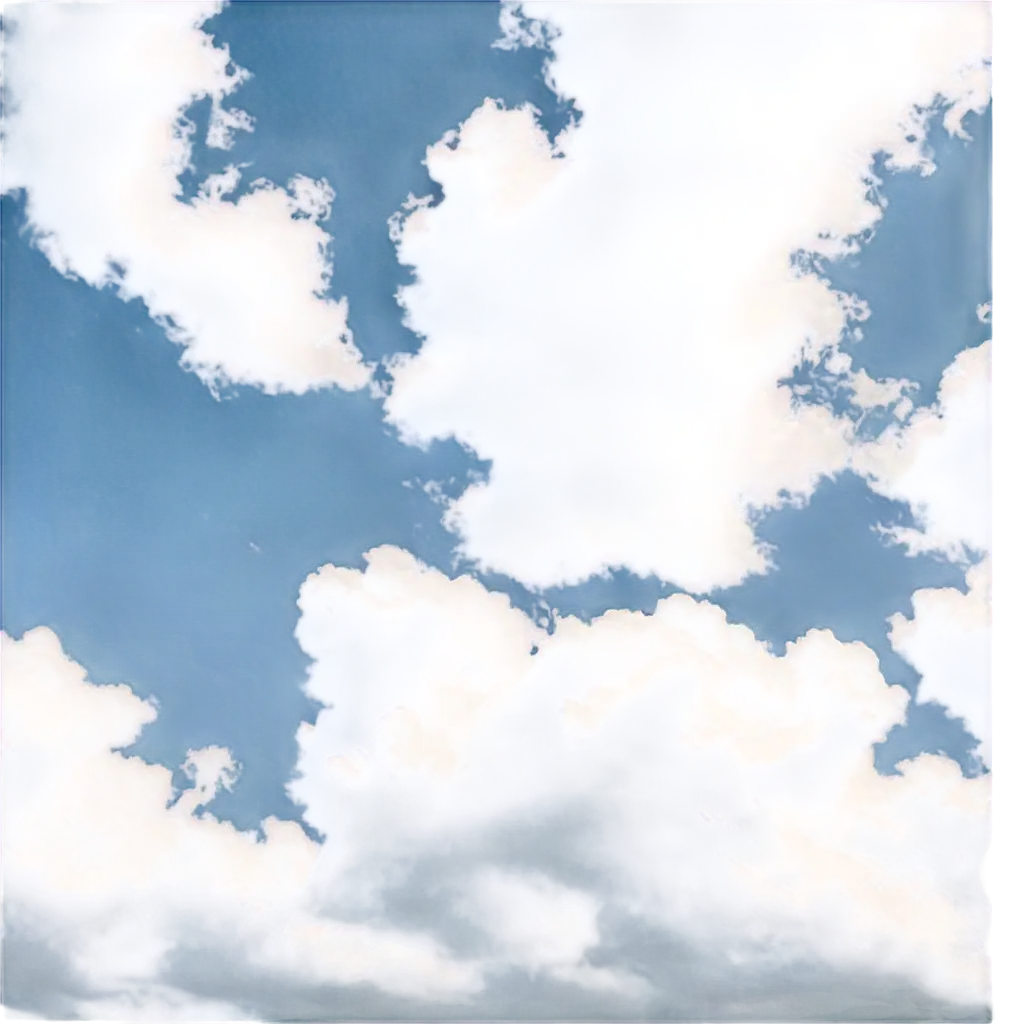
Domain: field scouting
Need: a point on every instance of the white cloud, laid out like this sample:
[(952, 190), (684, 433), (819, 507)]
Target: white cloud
[(535, 921), (939, 462), (92, 133), (609, 327), (126, 951), (209, 769), (948, 641), (702, 785), (116, 878), (867, 393), (710, 787), (207, 1013)]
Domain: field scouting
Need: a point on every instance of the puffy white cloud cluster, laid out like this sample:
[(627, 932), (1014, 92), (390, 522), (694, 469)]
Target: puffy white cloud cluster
[(92, 133), (721, 792), (949, 641), (105, 866), (705, 786), (607, 321), (940, 462)]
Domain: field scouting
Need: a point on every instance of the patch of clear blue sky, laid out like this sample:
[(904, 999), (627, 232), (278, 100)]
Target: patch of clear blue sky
[(164, 535), (1010, 243), (1010, 267)]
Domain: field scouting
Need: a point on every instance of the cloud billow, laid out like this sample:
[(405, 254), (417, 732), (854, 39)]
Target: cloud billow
[(607, 320)]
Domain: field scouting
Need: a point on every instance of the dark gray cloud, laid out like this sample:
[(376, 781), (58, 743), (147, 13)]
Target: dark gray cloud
[(36, 977), (694, 981), (39, 980)]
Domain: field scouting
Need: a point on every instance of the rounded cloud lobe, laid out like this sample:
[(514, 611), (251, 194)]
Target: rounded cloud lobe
[(93, 134), (949, 641), (721, 793), (939, 462), (106, 866), (613, 340)]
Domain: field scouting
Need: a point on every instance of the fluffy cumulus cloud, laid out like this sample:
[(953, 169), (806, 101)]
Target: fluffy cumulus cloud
[(105, 866), (699, 783), (939, 462), (611, 337), (93, 134), (495, 799), (948, 640)]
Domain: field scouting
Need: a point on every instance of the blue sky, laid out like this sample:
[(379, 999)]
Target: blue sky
[(187, 489), (164, 517)]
